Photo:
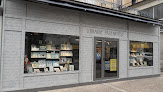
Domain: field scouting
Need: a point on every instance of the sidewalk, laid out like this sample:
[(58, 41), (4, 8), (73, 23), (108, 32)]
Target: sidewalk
[(154, 84)]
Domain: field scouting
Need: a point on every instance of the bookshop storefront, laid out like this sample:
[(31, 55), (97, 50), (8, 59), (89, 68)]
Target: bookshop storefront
[(51, 53), (64, 47)]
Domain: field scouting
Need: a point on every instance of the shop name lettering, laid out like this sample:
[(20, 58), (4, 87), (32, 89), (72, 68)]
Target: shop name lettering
[(104, 32)]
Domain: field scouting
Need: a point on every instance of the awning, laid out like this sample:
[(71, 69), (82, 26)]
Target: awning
[(99, 10)]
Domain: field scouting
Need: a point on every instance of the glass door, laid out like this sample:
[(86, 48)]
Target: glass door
[(106, 58), (98, 58)]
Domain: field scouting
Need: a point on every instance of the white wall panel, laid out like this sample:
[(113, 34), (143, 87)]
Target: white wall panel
[(16, 8), (123, 59), (11, 60), (86, 60), (50, 80)]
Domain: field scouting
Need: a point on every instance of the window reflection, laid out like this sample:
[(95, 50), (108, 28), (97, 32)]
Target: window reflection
[(141, 54)]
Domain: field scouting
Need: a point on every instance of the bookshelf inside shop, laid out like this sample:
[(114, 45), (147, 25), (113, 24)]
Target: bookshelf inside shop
[(50, 56)]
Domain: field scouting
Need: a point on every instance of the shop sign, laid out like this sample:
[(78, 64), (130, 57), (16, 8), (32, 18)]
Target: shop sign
[(113, 64), (104, 32)]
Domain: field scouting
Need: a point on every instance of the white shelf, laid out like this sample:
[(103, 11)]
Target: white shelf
[(52, 58), (141, 67), (66, 56), (52, 50), (63, 62), (37, 50), (39, 58)]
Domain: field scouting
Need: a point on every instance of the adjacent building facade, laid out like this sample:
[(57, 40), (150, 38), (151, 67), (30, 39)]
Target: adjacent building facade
[(44, 44)]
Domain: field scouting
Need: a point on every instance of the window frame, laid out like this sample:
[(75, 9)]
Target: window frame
[(130, 67), (49, 73)]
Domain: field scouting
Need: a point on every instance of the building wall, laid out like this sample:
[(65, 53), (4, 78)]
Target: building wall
[(161, 51), (0, 49), (150, 4), (21, 16)]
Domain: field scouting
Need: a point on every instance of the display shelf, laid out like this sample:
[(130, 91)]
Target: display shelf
[(52, 58), (136, 56), (136, 51), (66, 56), (38, 58), (63, 62), (52, 50), (38, 50), (142, 67), (51, 73), (38, 67), (65, 50)]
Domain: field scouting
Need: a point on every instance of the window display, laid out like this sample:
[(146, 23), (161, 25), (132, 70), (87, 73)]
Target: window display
[(50, 53), (141, 54)]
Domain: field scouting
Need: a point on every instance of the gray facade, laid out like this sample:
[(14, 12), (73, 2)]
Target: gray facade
[(21, 16), (161, 51)]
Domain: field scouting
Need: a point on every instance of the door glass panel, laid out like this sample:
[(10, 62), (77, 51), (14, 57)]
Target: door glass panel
[(110, 59), (98, 58)]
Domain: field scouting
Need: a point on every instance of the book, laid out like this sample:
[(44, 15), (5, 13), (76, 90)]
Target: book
[(34, 55), (53, 47), (41, 63), (66, 53), (56, 63), (63, 46), (64, 68), (67, 66), (61, 68), (49, 47), (68, 46), (35, 64), (145, 63), (63, 60), (52, 54), (56, 55), (34, 48), (56, 69), (46, 70), (48, 55), (69, 60), (37, 71), (42, 47), (41, 54), (49, 63), (51, 69), (71, 67)]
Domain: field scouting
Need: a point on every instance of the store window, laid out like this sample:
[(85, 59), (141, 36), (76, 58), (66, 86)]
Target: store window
[(50, 53), (141, 54)]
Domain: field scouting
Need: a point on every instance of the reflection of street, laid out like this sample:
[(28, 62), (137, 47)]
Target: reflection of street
[(153, 84)]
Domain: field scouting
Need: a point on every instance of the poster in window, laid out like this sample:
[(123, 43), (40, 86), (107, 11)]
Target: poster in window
[(107, 65), (113, 64), (98, 56)]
